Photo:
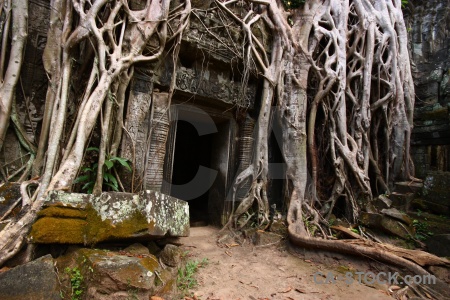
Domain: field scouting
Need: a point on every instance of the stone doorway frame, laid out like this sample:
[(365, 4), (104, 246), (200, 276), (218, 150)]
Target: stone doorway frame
[(219, 191)]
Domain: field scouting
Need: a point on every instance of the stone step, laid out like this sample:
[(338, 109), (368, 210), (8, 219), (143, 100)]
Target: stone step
[(402, 201), (404, 187)]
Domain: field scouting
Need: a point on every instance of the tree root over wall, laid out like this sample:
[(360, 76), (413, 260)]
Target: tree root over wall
[(335, 73)]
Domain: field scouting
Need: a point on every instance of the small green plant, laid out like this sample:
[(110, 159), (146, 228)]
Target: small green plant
[(76, 282), (331, 222), (312, 228), (404, 3), (422, 230), (186, 279), (355, 230), (109, 178)]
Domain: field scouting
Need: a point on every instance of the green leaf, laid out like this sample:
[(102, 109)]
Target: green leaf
[(86, 170), (115, 188), (109, 164), (88, 186), (93, 149), (109, 177), (82, 179), (123, 161), (113, 180)]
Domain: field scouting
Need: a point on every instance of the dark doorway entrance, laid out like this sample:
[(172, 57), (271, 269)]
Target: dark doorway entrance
[(191, 152), (199, 161)]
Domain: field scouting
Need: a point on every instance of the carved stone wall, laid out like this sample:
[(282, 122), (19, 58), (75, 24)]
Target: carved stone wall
[(158, 137), (209, 83), (429, 36), (135, 141)]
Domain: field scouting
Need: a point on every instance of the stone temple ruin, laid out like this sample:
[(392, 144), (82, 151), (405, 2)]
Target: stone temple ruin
[(190, 149), (193, 147)]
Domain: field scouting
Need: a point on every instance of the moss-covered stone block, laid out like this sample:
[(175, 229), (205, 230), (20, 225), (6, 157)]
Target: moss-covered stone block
[(112, 275), (84, 219), (435, 192), (51, 230), (395, 227)]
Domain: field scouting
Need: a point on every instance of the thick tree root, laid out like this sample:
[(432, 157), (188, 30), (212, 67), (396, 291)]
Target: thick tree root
[(379, 252)]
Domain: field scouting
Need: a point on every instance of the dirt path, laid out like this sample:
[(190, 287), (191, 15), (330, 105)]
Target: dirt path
[(272, 272)]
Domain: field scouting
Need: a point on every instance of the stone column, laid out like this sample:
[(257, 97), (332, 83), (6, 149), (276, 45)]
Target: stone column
[(158, 137), (246, 142), (135, 137)]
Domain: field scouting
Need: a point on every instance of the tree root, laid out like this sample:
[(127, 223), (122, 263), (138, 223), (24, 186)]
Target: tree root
[(382, 253)]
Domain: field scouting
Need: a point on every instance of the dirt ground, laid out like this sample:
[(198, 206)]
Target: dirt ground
[(269, 272)]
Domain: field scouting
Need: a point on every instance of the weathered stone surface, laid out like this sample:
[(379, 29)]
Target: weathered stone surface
[(83, 219), (436, 192), (131, 273), (408, 187), (70, 200), (171, 255), (35, 281), (137, 249), (50, 230), (396, 214), (382, 202), (402, 201), (153, 248), (427, 25), (9, 195), (439, 244), (370, 219), (135, 142), (396, 228), (387, 224), (109, 275), (212, 84)]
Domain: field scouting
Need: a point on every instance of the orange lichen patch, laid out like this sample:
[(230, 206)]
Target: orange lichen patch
[(49, 230)]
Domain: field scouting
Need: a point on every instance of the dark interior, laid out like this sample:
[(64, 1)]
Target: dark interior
[(191, 151)]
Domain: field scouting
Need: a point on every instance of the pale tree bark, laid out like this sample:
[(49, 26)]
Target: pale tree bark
[(15, 21), (120, 38), (337, 74)]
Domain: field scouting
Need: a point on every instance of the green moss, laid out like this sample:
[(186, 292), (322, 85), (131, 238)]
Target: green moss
[(99, 230), (150, 263), (62, 212), (436, 114), (51, 230)]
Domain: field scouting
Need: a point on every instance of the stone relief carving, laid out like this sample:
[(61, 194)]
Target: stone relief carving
[(158, 137), (210, 84), (135, 141)]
